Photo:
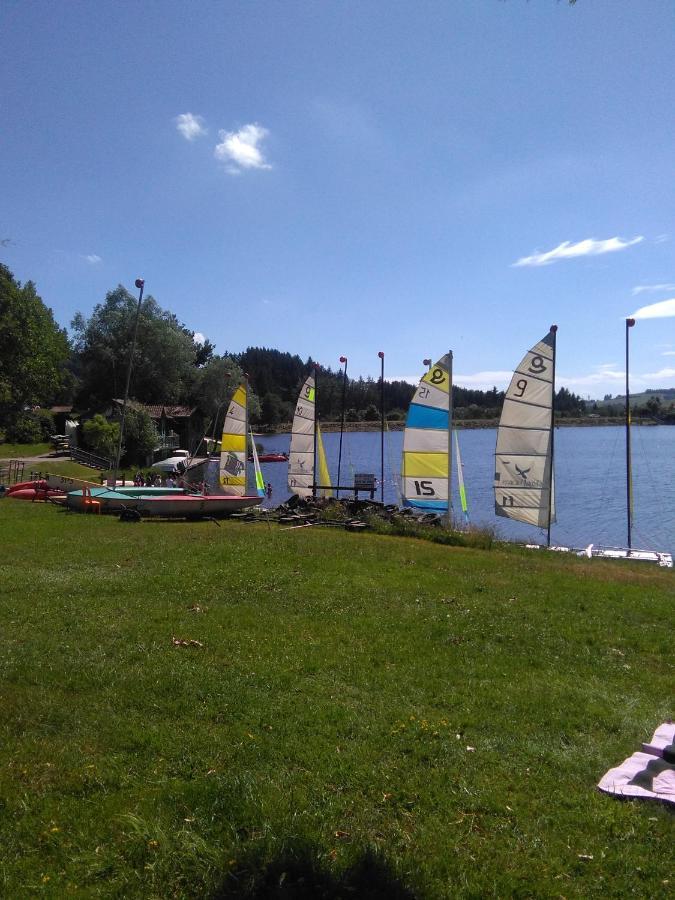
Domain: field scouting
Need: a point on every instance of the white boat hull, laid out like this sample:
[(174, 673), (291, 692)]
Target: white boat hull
[(193, 506), (659, 557)]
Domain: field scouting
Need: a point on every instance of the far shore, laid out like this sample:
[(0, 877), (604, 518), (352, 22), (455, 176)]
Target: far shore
[(328, 427)]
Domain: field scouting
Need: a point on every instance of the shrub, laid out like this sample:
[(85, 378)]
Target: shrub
[(101, 436), (29, 427)]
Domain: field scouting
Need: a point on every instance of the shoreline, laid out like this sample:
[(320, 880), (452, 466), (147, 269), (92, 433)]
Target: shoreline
[(470, 424)]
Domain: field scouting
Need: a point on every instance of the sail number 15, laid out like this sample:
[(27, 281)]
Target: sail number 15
[(424, 489)]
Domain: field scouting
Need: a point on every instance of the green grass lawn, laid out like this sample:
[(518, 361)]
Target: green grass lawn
[(18, 451), (360, 716)]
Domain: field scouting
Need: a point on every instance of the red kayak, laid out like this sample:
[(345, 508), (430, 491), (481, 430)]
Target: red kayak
[(271, 457), (40, 485), (32, 493)]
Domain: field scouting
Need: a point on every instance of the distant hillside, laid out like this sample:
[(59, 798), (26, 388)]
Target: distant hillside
[(665, 395)]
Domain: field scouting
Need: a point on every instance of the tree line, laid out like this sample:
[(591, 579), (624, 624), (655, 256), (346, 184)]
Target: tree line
[(41, 365)]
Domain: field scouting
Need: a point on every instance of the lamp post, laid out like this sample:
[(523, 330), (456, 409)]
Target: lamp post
[(629, 475), (140, 284), (427, 363), (381, 355), (343, 359)]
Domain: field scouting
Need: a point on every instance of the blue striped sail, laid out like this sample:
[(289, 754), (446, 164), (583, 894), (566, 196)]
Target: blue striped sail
[(426, 442)]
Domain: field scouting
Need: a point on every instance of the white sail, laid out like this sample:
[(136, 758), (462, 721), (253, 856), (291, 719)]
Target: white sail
[(301, 457), (523, 456), (426, 442)]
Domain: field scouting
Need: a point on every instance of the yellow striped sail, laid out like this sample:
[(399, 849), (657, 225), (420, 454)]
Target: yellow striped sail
[(301, 456), (232, 471)]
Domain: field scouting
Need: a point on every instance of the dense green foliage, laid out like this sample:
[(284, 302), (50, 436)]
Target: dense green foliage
[(355, 714), (33, 349), (101, 436), (164, 362)]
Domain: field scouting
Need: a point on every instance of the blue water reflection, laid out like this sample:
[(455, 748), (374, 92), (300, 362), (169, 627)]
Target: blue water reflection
[(590, 481)]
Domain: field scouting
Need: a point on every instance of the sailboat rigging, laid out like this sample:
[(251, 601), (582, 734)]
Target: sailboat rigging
[(307, 457), (524, 482), (427, 458)]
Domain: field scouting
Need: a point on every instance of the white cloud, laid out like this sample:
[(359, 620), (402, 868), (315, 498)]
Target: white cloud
[(239, 150), (568, 250), (92, 258), (651, 288), (190, 126), (661, 374), (484, 381), (663, 310), (198, 337), (668, 353)]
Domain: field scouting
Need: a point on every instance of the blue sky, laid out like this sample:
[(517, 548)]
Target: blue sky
[(337, 178)]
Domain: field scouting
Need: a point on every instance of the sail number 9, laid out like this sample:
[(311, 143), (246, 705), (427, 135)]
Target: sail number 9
[(521, 384), (537, 365)]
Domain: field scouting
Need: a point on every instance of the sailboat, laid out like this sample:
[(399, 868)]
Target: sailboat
[(427, 457), (307, 454), (524, 482), (226, 474)]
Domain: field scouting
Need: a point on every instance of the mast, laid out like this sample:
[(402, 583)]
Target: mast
[(140, 284), (553, 330), (381, 355), (316, 420), (448, 518), (246, 428), (629, 473), (343, 359)]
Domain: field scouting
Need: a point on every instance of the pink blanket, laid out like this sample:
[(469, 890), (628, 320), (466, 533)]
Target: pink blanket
[(650, 773)]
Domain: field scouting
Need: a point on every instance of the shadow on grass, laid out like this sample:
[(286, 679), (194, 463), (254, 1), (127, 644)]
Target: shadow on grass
[(297, 874)]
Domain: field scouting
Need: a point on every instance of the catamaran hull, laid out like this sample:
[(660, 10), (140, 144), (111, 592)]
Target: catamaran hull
[(662, 559), (191, 507)]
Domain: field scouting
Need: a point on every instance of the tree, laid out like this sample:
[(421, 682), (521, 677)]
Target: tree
[(165, 360), (33, 349), (101, 436), (140, 435)]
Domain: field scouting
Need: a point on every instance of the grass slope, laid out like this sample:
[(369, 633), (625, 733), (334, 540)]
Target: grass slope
[(21, 451), (365, 717)]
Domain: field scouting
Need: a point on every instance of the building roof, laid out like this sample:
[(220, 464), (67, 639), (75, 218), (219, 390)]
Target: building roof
[(155, 410)]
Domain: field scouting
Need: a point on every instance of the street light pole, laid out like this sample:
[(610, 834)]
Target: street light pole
[(381, 355), (343, 359), (140, 284)]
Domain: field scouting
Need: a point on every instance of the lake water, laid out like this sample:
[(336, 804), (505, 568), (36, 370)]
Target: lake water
[(590, 481)]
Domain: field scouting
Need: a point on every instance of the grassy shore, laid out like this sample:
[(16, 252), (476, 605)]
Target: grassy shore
[(247, 711)]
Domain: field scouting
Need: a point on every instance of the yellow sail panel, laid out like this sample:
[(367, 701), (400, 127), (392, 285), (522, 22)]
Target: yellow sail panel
[(324, 474), (240, 396), (233, 481), (420, 464), (233, 442), (439, 377), (232, 469)]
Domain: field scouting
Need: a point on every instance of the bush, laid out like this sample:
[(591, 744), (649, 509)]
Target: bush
[(30, 427), (140, 436), (101, 436)]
